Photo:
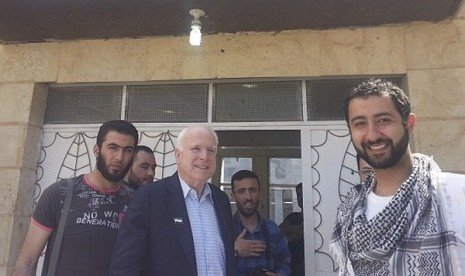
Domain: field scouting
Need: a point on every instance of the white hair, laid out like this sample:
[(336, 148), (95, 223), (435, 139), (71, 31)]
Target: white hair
[(186, 130)]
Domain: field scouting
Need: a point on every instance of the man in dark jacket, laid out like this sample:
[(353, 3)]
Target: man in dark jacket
[(180, 225)]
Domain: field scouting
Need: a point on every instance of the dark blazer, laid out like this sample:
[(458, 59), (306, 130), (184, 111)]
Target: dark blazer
[(155, 237)]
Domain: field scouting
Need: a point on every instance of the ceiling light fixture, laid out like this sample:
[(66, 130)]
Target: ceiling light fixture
[(195, 36)]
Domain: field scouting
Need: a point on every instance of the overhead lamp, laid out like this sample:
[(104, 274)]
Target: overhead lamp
[(195, 36)]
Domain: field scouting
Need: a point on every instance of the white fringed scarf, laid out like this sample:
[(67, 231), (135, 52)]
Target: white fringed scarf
[(408, 237)]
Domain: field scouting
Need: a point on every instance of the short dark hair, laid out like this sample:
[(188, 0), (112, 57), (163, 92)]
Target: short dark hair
[(142, 148), (379, 87), (242, 174), (120, 126)]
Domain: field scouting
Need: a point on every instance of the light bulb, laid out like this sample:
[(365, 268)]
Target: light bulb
[(195, 36)]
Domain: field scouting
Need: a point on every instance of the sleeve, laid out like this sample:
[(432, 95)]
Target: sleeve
[(283, 255), (47, 211), (131, 247)]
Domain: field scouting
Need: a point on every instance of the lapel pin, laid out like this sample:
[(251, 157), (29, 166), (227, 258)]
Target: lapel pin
[(177, 220)]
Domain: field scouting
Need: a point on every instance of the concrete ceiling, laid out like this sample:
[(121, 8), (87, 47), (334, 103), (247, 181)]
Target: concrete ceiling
[(26, 21)]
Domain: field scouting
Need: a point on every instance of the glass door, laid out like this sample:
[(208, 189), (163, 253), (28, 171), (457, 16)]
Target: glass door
[(274, 156), (284, 175)]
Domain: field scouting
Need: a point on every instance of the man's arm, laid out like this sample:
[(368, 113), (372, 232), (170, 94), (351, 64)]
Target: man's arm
[(34, 244)]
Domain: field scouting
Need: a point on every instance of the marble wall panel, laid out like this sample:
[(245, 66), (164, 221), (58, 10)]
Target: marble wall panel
[(15, 211), (5, 233), (26, 183), (269, 55), (31, 148), (437, 94), (103, 61), (341, 51), (173, 58), (440, 45), (444, 140), (12, 147), (29, 62), (9, 185), (15, 102), (363, 51), (38, 105), (22, 103)]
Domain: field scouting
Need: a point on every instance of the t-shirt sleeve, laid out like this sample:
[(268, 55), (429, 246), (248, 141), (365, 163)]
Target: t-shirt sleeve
[(48, 208)]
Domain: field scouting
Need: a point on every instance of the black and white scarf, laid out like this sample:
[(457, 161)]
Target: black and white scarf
[(408, 237)]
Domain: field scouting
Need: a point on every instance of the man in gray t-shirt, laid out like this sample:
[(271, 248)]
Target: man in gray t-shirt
[(97, 206)]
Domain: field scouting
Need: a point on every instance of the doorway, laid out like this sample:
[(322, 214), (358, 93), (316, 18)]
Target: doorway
[(274, 155)]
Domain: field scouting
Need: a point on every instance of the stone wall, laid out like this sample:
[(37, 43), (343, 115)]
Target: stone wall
[(21, 116), (431, 55), (435, 56)]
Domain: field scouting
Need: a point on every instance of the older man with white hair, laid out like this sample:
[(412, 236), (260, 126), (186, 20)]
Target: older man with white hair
[(180, 225)]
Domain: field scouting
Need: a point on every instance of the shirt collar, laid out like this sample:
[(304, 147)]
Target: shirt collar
[(206, 193), (259, 224)]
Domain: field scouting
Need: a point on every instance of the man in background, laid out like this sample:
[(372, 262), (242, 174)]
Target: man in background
[(261, 248), (143, 167)]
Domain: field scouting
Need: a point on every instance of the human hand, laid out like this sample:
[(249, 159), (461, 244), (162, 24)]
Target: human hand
[(249, 248)]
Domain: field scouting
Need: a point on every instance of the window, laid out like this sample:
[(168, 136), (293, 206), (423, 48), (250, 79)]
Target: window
[(258, 102), (167, 103), (83, 105)]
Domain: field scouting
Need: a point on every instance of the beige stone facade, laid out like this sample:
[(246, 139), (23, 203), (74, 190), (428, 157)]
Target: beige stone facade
[(432, 56)]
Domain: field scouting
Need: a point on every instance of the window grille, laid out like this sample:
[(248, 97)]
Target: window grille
[(325, 97), (264, 101), (83, 105), (258, 102), (167, 103)]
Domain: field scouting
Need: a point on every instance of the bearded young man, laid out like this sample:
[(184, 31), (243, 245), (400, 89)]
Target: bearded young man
[(406, 217), (260, 246), (97, 205)]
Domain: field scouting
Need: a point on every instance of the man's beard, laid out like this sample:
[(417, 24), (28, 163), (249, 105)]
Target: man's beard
[(397, 151), (134, 180), (102, 166), (247, 212)]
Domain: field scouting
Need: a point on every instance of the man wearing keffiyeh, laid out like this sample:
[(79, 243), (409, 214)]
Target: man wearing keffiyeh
[(406, 218)]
